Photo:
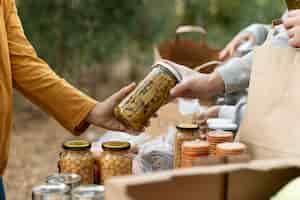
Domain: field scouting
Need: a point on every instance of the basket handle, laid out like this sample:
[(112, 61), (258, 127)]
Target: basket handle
[(190, 29), (197, 69)]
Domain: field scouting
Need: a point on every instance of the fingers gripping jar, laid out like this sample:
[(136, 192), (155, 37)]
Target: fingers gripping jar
[(185, 132), (138, 107), (116, 160), (77, 158)]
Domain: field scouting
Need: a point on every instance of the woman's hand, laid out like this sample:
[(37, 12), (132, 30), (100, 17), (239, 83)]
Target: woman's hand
[(103, 113), (292, 25), (231, 47), (201, 118)]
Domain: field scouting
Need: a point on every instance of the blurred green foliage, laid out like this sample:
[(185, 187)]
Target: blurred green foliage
[(72, 34)]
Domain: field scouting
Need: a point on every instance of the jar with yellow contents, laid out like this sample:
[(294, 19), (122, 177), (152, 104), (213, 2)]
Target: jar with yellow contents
[(185, 132), (116, 159), (77, 158)]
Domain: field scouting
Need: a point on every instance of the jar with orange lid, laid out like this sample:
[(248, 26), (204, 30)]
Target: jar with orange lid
[(217, 137), (231, 149), (116, 159), (192, 150), (77, 158), (185, 132)]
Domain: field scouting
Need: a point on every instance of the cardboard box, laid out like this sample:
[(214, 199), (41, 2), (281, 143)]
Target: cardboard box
[(256, 180)]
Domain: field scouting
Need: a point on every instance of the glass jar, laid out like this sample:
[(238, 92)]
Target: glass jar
[(293, 4), (88, 192), (51, 192), (193, 150), (136, 109), (77, 158), (116, 160), (185, 132)]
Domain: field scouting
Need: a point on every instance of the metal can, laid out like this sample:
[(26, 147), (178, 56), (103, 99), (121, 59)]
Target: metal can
[(116, 159), (88, 192), (185, 132), (51, 192), (293, 4), (138, 107), (70, 179), (77, 158)]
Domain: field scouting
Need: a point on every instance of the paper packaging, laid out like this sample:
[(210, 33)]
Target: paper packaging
[(257, 180), (271, 126)]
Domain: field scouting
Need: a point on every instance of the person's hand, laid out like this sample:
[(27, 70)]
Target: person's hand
[(202, 117), (102, 114), (231, 47), (202, 86), (292, 25)]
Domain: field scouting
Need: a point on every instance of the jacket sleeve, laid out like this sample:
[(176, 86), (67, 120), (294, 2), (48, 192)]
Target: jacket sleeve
[(35, 80)]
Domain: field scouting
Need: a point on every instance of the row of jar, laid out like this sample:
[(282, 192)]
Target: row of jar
[(115, 160)]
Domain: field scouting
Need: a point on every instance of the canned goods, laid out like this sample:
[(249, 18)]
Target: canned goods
[(185, 132), (51, 192), (77, 158), (138, 107), (88, 192), (70, 179), (116, 159)]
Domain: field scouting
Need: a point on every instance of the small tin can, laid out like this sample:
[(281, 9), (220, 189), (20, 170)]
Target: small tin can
[(70, 179), (77, 158), (88, 192), (51, 192), (138, 107)]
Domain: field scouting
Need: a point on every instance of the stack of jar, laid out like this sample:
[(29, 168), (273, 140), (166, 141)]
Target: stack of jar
[(218, 137), (192, 150)]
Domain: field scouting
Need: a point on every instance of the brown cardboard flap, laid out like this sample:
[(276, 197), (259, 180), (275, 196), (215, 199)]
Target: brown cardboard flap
[(254, 180)]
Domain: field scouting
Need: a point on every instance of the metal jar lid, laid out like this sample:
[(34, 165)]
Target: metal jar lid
[(67, 178), (168, 66), (46, 190), (115, 146), (187, 127), (88, 192), (77, 145)]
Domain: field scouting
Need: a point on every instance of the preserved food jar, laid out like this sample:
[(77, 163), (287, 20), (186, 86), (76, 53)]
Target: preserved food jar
[(293, 4), (116, 160), (136, 109), (77, 158), (185, 132), (88, 192), (51, 192)]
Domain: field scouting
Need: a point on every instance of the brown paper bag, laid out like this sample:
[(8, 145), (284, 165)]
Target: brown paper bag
[(271, 126)]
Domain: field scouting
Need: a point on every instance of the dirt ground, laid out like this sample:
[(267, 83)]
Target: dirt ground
[(35, 145)]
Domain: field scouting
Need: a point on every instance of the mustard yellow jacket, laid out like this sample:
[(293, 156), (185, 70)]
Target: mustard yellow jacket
[(21, 68)]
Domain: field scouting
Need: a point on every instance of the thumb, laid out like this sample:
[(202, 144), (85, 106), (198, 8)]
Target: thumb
[(121, 94), (180, 90)]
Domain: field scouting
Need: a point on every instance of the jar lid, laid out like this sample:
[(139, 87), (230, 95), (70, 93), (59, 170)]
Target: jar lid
[(116, 145), (50, 189), (88, 191), (187, 126), (224, 127), (172, 70), (67, 178), (77, 145)]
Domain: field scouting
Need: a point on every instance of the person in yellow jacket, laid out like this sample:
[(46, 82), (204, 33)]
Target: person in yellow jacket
[(21, 68)]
